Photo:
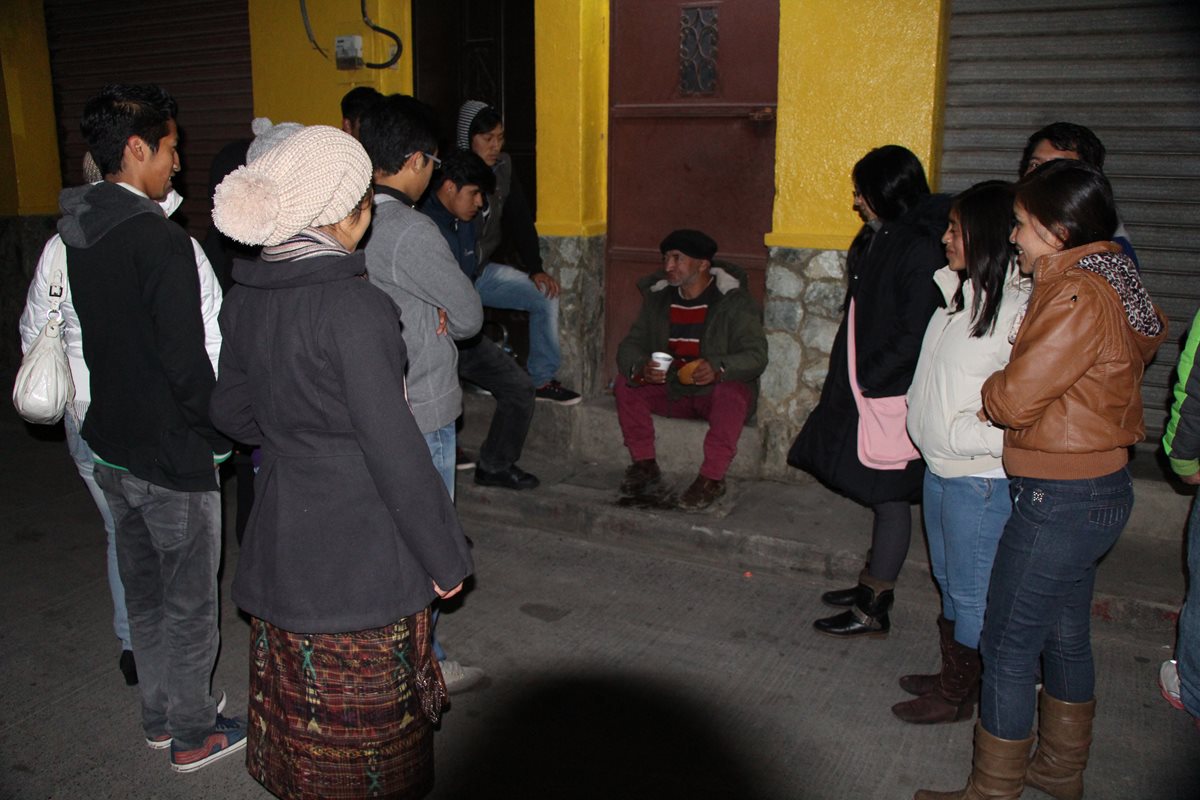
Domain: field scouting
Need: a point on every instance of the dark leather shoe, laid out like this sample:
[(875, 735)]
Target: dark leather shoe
[(128, 668), (868, 617), (641, 477), (701, 494), (841, 598), (512, 478)]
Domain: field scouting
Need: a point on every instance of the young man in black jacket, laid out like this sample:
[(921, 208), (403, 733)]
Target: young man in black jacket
[(452, 204), (135, 288)]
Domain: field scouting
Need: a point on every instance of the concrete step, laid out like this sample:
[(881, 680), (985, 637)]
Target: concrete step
[(589, 433), (771, 525)]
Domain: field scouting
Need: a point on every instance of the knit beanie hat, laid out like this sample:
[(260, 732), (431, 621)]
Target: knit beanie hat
[(267, 135), (690, 243), (467, 113), (314, 177), (91, 170)]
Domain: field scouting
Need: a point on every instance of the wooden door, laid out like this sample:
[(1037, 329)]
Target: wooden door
[(691, 139)]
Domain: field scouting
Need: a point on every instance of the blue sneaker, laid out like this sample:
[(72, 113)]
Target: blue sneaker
[(228, 736)]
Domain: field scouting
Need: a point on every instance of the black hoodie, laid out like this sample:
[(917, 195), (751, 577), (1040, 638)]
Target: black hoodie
[(135, 287)]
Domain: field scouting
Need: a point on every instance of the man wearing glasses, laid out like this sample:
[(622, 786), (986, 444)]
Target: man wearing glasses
[(408, 259)]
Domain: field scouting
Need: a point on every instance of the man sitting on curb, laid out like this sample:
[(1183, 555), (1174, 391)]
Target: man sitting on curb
[(458, 191), (506, 216), (701, 314)]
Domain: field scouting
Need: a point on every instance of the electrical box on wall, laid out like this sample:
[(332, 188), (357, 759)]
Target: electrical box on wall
[(348, 52)]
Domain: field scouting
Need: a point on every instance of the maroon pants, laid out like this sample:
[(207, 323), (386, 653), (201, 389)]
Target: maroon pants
[(725, 408)]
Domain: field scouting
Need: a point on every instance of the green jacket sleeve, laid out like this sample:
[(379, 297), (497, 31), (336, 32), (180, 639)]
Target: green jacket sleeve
[(637, 346), (1181, 441), (744, 355)]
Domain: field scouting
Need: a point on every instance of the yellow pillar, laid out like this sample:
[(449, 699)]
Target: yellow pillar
[(30, 179), (571, 52), (851, 77), (295, 83)]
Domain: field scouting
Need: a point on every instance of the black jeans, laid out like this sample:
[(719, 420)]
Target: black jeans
[(487, 366)]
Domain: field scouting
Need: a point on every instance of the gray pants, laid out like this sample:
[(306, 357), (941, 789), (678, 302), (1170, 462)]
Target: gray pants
[(168, 546)]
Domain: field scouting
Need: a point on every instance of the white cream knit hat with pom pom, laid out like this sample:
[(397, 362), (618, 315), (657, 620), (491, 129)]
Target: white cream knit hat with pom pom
[(314, 177), (268, 135)]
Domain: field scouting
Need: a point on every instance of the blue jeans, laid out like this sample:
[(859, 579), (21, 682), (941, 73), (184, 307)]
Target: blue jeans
[(964, 518), (82, 456), (502, 286), (1040, 600), (442, 443), (1187, 648), (168, 546)]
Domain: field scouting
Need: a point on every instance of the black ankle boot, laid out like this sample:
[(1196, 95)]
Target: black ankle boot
[(842, 598), (868, 617)]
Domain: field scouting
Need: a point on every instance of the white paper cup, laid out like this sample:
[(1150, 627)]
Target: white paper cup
[(661, 361)]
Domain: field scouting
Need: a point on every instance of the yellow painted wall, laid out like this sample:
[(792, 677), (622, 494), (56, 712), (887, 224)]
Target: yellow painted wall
[(571, 52), (852, 76), (29, 171), (293, 82)]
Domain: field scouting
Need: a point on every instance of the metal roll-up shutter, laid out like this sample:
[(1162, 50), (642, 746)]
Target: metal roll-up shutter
[(199, 52), (1130, 71)]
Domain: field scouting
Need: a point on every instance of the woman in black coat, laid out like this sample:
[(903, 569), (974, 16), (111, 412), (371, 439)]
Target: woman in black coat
[(353, 533), (891, 295)]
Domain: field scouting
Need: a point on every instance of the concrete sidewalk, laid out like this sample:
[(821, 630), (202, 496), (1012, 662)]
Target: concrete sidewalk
[(785, 527)]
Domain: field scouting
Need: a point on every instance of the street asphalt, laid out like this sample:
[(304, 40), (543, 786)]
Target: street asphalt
[(630, 653)]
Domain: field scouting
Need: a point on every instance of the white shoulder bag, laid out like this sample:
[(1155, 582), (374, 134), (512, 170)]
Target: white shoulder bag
[(43, 386)]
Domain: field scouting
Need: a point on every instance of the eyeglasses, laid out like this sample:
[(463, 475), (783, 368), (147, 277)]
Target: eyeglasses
[(437, 162)]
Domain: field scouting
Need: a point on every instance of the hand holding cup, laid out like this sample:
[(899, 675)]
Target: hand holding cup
[(655, 369)]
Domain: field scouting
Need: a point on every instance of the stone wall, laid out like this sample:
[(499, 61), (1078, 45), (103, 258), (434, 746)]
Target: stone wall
[(801, 315), (21, 242), (578, 264), (803, 309)]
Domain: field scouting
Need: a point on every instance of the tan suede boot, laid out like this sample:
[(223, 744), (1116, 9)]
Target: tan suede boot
[(1064, 739), (998, 772)]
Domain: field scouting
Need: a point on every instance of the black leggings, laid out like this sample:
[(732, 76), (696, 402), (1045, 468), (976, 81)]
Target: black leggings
[(890, 535)]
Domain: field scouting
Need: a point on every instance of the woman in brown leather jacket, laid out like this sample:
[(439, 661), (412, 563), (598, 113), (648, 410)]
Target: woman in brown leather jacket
[(1070, 403)]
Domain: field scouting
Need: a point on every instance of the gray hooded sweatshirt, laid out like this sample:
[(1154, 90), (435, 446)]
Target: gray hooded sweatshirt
[(409, 260)]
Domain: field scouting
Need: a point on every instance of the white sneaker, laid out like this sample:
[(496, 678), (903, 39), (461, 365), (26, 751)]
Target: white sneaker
[(459, 678), (1168, 683)]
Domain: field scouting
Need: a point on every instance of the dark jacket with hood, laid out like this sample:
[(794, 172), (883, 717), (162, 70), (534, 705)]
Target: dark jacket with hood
[(732, 338), (459, 235), (507, 219), (136, 290), (351, 521), (891, 283)]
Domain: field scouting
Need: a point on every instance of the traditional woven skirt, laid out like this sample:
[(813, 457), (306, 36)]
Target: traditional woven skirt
[(338, 715)]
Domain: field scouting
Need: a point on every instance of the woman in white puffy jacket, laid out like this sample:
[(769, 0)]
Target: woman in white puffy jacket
[(37, 306), (966, 500)]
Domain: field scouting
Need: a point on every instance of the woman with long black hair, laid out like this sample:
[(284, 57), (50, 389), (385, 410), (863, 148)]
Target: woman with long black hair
[(854, 440), (1071, 405), (966, 489)]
